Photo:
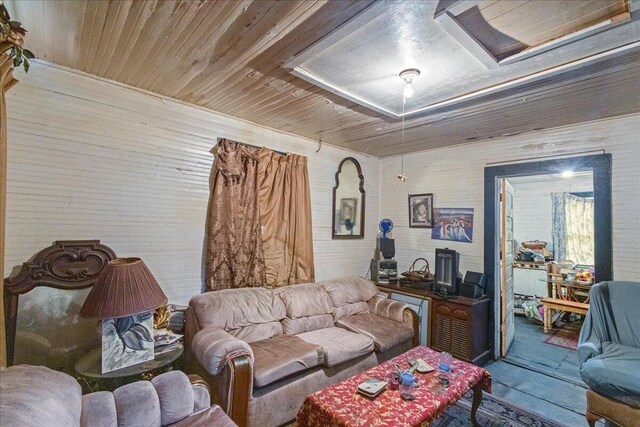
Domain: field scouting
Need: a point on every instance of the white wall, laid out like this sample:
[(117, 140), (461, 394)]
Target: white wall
[(456, 177), (532, 204), (90, 159)]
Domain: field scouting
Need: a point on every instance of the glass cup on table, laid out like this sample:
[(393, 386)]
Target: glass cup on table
[(394, 380), (407, 386)]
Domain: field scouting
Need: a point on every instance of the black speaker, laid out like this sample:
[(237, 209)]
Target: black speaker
[(473, 284), (387, 247)]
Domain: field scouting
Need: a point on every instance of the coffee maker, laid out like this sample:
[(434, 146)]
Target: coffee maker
[(384, 269)]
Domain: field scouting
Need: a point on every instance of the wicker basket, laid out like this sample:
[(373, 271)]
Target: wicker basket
[(422, 274)]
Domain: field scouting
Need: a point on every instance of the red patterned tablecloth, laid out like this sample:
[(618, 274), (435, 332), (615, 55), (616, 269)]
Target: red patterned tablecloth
[(341, 405)]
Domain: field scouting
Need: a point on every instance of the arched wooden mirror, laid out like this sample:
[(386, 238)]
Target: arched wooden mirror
[(348, 201)]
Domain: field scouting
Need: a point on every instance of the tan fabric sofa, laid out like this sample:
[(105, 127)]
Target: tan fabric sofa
[(262, 351)]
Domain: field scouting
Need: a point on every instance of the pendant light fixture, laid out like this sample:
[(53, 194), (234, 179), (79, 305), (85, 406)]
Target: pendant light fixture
[(407, 75)]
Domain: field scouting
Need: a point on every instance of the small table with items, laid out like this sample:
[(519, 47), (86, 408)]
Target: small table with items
[(570, 296), (341, 405), (91, 378)]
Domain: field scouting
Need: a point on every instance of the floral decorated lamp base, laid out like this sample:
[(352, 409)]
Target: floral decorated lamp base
[(127, 341)]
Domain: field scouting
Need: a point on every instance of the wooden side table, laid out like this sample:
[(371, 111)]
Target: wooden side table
[(91, 378)]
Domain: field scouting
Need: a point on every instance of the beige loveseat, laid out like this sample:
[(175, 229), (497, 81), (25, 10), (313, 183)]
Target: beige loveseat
[(262, 351)]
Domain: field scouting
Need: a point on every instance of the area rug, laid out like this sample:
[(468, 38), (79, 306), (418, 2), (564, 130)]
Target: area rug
[(493, 412), (566, 337)]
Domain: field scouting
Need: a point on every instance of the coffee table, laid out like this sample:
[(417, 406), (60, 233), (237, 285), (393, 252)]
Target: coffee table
[(341, 405)]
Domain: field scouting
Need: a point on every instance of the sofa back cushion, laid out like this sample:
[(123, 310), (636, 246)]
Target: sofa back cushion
[(349, 295), (38, 396), (308, 308), (250, 314)]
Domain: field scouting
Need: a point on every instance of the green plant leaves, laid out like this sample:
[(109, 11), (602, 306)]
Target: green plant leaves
[(8, 29)]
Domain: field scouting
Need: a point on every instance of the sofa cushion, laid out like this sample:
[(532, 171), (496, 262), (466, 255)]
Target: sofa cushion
[(175, 393), (349, 295), (338, 344), (98, 407), (385, 333), (305, 300), (137, 404), (38, 396), (308, 307), (251, 314), (306, 324), (211, 417), (281, 356), (614, 373)]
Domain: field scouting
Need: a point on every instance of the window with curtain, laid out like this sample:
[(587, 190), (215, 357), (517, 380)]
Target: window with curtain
[(573, 220)]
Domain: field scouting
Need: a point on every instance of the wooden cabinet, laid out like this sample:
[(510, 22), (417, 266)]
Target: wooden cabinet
[(459, 326)]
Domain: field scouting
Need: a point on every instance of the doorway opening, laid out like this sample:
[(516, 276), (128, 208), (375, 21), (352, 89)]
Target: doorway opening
[(526, 375), (600, 167), (549, 228)]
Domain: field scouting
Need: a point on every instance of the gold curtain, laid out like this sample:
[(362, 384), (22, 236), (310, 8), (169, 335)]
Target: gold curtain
[(6, 82), (285, 215), (234, 256)]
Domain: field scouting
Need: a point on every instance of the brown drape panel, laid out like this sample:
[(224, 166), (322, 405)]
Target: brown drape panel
[(285, 215), (234, 256), (6, 82)]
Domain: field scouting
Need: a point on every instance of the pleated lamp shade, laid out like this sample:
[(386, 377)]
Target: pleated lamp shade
[(125, 287)]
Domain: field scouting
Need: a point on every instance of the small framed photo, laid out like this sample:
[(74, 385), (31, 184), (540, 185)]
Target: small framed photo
[(421, 210)]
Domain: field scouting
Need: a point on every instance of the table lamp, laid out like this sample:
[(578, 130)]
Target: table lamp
[(124, 297)]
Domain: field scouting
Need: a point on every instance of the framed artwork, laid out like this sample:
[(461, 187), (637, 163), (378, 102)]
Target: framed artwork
[(421, 210), (454, 224)]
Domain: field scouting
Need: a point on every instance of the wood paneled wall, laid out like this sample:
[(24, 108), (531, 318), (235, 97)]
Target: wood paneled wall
[(456, 177), (89, 159)]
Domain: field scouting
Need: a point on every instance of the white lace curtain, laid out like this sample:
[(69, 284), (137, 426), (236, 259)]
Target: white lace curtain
[(572, 228)]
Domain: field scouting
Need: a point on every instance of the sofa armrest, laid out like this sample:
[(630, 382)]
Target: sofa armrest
[(386, 307), (398, 311), (214, 348), (201, 393)]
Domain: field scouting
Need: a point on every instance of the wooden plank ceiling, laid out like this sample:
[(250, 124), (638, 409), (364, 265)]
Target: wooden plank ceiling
[(227, 56)]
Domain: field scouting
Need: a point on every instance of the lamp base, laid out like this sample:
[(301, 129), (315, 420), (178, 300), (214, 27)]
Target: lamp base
[(127, 341)]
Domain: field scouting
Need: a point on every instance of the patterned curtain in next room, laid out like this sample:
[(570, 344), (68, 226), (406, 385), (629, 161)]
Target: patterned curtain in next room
[(233, 242), (572, 223)]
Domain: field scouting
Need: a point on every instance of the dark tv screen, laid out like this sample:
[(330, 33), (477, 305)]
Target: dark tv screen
[(447, 261)]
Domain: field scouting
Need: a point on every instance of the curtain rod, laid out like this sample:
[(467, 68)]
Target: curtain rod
[(252, 146)]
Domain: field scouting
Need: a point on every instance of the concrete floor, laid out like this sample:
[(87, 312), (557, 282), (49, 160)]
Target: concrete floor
[(539, 377)]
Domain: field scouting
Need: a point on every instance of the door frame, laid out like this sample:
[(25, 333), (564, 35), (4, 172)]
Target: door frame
[(600, 165)]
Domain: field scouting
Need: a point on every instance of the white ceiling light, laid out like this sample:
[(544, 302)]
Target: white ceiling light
[(408, 75), (567, 174)]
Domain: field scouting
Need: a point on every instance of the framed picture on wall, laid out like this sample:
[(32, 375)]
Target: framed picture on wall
[(453, 224), (421, 210)]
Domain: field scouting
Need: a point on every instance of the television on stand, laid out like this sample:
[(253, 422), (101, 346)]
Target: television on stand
[(446, 277)]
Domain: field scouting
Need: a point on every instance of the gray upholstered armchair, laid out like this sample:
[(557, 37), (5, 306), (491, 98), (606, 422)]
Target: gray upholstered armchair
[(609, 353), (39, 396)]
